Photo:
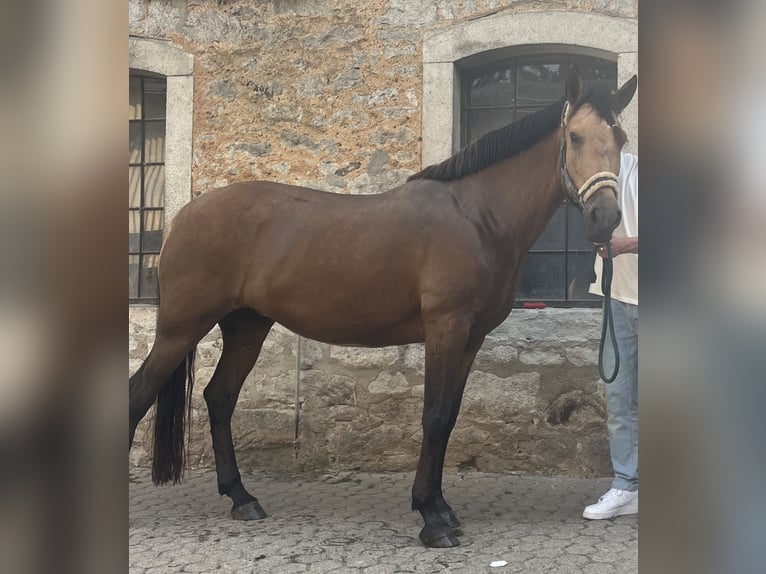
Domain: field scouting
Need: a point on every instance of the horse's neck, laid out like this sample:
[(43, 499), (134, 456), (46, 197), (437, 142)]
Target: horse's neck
[(520, 194)]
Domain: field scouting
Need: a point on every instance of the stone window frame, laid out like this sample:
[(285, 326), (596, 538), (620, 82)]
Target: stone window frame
[(177, 67), (147, 177), (444, 49), (570, 255)]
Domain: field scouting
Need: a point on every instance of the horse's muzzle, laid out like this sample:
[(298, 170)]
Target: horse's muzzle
[(602, 216)]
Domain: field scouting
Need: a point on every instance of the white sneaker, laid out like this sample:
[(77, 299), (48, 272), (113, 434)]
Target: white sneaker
[(613, 503)]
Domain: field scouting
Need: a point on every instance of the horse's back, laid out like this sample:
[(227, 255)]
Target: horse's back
[(338, 268)]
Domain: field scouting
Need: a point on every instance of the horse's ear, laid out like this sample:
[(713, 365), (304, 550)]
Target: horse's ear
[(626, 93), (574, 87)]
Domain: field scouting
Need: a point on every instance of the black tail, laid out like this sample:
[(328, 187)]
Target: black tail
[(173, 418)]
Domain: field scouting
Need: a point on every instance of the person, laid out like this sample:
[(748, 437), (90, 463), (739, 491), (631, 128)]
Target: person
[(622, 393)]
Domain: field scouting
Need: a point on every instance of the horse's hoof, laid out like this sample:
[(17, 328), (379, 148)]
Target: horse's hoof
[(438, 537), (248, 511), (451, 520), (446, 514)]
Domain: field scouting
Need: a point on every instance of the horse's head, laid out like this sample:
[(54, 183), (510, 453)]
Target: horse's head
[(591, 140)]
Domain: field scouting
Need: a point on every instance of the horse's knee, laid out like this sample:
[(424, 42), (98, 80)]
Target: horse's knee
[(220, 403), (435, 423)]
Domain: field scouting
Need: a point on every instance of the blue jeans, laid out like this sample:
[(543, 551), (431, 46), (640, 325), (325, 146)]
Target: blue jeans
[(622, 397)]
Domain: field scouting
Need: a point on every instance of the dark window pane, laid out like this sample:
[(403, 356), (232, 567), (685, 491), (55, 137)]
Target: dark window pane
[(580, 271), (134, 145), (149, 276), (543, 277), (541, 84), (496, 88), (154, 98), (134, 109), (134, 231), (552, 236), (481, 122), (154, 186), (133, 276), (154, 142), (577, 238), (521, 112), (540, 81), (134, 186), (152, 238), (595, 71)]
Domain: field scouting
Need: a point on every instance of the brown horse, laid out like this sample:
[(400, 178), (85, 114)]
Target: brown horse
[(436, 260)]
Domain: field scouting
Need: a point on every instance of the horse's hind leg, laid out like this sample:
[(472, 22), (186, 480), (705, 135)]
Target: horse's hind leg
[(166, 356), (244, 332)]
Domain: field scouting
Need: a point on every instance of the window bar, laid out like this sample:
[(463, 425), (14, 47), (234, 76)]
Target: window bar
[(139, 290), (566, 253)]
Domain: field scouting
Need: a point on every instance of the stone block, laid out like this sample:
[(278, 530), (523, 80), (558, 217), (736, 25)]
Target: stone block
[(541, 357), (346, 80), (556, 326), (280, 113), (407, 14), (322, 389), (259, 149), (310, 87), (333, 37), (488, 397), (358, 357), (302, 7), (494, 354), (582, 356), (414, 357), (263, 428), (389, 384), (378, 162), (225, 89)]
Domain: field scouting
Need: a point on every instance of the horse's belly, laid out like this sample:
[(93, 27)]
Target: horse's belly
[(343, 315), (353, 334)]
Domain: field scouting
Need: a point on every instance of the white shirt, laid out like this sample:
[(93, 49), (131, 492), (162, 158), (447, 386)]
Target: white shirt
[(625, 277)]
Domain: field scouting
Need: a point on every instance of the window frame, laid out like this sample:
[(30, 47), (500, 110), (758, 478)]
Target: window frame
[(142, 209), (484, 64), (157, 57)]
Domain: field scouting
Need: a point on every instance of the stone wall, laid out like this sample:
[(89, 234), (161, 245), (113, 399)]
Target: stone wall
[(324, 93), (533, 401), (327, 93)]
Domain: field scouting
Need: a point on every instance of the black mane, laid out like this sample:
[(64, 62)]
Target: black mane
[(514, 138)]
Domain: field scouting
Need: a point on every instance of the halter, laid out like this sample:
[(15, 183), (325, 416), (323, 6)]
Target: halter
[(598, 180)]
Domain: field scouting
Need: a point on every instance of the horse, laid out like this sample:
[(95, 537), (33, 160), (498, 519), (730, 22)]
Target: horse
[(436, 260)]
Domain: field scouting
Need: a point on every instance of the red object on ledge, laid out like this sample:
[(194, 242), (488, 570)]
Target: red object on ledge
[(535, 305)]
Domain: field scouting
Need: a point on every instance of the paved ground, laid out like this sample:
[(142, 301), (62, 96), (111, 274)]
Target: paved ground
[(361, 523)]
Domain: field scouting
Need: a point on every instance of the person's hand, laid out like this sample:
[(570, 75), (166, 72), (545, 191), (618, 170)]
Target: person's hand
[(619, 245)]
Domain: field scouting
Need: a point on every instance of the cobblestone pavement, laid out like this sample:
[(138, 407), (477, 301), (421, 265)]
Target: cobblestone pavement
[(355, 522)]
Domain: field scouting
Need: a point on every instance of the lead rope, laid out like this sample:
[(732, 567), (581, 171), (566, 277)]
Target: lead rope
[(607, 322)]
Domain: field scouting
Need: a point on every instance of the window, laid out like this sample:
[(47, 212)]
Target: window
[(558, 267), (146, 184)]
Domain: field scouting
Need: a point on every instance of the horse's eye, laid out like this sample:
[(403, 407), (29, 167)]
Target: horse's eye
[(575, 139)]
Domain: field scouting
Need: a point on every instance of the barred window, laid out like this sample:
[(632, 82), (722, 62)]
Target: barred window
[(558, 268), (146, 184)]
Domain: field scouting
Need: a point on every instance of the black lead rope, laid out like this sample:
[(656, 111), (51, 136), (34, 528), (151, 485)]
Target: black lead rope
[(607, 323)]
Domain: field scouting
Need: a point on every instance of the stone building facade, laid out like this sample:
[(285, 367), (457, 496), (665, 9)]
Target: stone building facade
[(353, 97)]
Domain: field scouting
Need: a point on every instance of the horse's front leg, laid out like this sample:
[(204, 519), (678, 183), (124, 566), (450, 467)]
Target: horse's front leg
[(449, 356), (469, 354)]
